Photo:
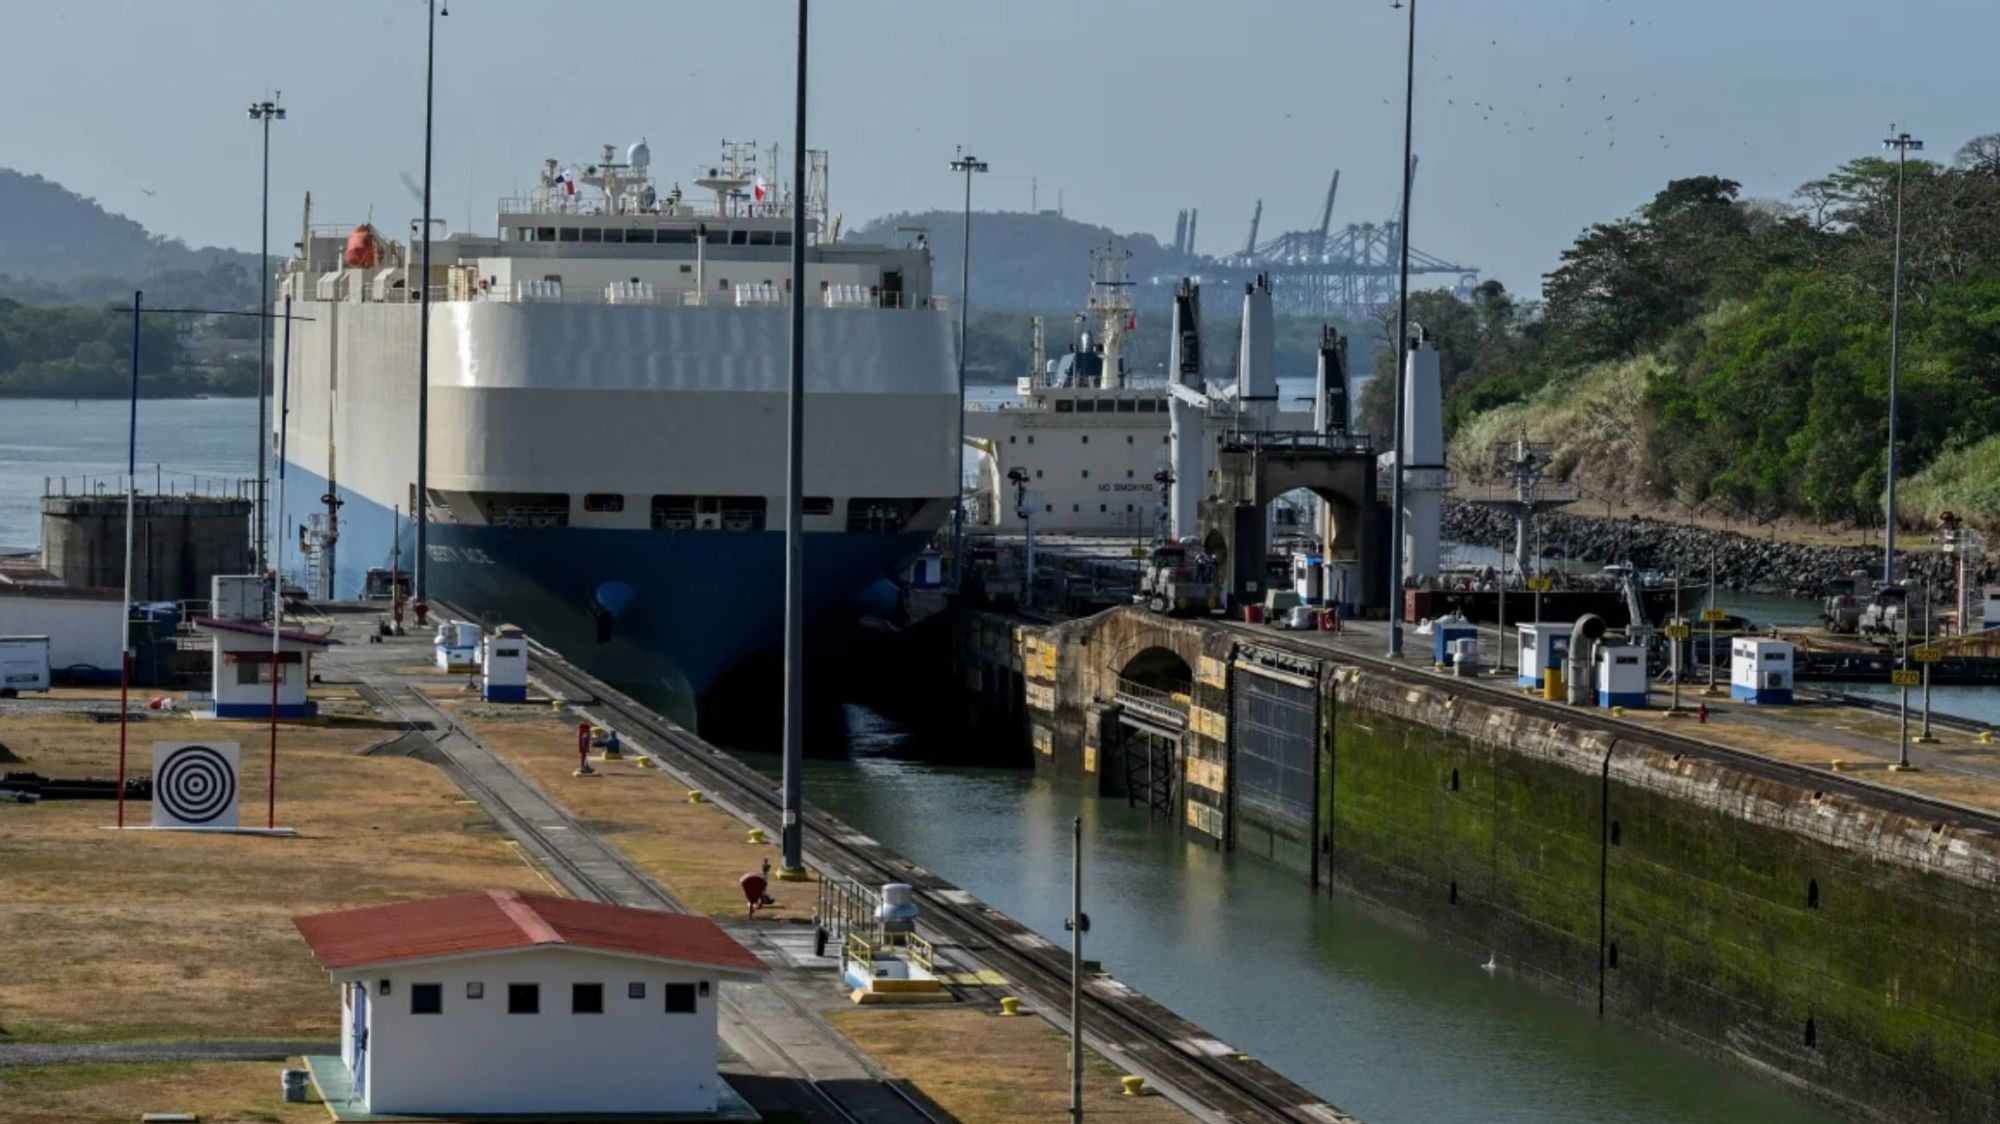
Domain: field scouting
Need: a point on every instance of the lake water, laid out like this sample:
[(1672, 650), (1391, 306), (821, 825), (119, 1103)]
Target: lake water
[(208, 443), (1396, 1029)]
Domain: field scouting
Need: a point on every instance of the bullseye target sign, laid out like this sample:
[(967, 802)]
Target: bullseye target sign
[(195, 784)]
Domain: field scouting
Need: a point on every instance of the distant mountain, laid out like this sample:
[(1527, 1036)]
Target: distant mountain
[(1021, 261), (58, 247)]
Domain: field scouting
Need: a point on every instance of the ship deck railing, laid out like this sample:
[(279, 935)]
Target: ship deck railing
[(644, 295), (665, 211)]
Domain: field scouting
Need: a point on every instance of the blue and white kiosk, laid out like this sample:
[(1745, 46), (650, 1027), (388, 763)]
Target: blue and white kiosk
[(1760, 670), (1544, 653), (504, 672), (1621, 675)]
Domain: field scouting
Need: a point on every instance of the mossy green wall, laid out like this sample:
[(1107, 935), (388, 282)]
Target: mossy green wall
[(1704, 894)]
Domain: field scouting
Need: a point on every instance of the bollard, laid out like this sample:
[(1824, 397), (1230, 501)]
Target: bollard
[(694, 797), (1839, 766), (1985, 737), (756, 835), (645, 762), (556, 705), (1135, 1085), (1009, 1006)]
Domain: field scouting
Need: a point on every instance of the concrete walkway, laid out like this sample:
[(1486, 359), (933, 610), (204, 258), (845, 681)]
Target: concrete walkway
[(769, 1029)]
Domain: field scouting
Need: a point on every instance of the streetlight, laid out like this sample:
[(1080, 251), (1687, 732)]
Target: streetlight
[(1401, 344), (420, 506), (962, 161), (791, 851), (264, 112), (1903, 143)]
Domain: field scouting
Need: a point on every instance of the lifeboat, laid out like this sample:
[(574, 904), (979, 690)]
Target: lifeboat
[(361, 248)]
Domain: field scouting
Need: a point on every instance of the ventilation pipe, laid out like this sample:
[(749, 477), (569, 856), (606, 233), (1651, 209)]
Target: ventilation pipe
[(1188, 443)]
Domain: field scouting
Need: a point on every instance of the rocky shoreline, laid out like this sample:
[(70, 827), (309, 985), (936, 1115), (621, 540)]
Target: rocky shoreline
[(1742, 562)]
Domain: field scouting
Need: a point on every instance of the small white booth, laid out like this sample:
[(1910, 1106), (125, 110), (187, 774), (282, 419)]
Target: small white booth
[(458, 644), (504, 1002), (1760, 670), (1544, 649), (927, 570), (504, 673), (1621, 675), (242, 668), (1309, 578)]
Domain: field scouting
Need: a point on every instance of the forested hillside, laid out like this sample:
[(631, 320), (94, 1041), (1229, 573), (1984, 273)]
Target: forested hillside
[(1709, 350), (67, 272)]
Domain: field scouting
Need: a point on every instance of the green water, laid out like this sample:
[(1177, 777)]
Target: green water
[(1394, 1028)]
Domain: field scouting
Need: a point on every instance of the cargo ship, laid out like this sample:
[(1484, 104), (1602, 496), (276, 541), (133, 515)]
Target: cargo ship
[(608, 379)]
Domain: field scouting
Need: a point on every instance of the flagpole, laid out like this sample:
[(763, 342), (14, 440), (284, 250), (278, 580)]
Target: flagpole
[(277, 571), (125, 606)]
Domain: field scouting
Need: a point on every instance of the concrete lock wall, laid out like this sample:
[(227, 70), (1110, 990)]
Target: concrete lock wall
[(1826, 940), (179, 543)]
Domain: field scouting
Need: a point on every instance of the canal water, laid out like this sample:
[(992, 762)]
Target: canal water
[(1396, 1029)]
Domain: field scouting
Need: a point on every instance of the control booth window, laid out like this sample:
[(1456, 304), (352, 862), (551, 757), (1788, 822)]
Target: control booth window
[(427, 999), (524, 999), (680, 999)]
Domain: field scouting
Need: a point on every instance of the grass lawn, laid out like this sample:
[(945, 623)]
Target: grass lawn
[(986, 1069), (215, 1091), (170, 935)]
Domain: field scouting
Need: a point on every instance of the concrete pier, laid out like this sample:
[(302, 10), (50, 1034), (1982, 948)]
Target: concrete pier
[(1754, 882)]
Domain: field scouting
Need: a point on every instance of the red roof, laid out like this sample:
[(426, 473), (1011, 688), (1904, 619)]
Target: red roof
[(504, 920)]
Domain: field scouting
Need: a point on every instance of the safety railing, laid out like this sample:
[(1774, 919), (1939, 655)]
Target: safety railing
[(1166, 705), (858, 947), (159, 481), (646, 294), (921, 952)]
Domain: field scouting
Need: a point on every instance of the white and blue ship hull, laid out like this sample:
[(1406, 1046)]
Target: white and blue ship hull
[(667, 612)]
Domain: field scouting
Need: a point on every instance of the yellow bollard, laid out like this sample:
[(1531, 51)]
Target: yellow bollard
[(756, 835), (1135, 1085), (645, 762), (694, 797), (1839, 766), (1985, 737), (1618, 712), (556, 705), (1009, 1006)]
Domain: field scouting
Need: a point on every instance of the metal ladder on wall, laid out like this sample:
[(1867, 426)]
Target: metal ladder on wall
[(1149, 775)]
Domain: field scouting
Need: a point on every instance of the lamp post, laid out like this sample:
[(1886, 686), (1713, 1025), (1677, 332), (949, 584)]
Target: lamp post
[(420, 506), (967, 163), (1401, 344), (1904, 144), (792, 865), (264, 112)]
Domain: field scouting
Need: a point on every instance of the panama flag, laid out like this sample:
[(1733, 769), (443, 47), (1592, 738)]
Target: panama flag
[(760, 190)]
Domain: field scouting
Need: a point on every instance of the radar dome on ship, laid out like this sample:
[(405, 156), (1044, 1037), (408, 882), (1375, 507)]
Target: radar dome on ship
[(361, 245), (638, 156)]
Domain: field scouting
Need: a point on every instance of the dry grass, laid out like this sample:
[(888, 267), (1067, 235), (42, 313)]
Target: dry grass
[(696, 850), (983, 1068), (142, 934), (216, 1092)]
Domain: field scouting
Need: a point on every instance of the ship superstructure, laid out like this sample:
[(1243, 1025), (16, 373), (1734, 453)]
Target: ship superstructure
[(1094, 438), (607, 411)]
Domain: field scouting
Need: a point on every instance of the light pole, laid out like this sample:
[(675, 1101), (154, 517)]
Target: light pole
[(791, 853), (420, 507), (1401, 344), (264, 112), (1903, 143), (967, 163)]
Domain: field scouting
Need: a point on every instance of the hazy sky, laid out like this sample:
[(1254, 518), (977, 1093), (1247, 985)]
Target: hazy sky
[(1131, 109)]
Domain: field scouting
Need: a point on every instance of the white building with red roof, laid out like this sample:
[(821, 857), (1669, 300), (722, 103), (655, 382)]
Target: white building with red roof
[(502, 1002)]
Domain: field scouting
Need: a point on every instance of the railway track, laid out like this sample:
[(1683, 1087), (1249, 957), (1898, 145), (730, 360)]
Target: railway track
[(1202, 1074), (616, 879)]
